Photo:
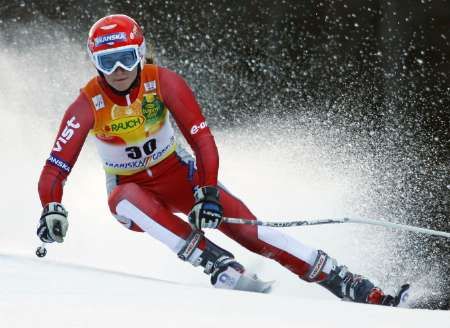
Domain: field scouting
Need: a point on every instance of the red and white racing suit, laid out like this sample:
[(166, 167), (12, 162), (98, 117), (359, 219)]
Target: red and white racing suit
[(149, 177)]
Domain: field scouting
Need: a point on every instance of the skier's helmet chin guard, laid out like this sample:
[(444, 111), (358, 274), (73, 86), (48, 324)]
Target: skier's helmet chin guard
[(116, 41)]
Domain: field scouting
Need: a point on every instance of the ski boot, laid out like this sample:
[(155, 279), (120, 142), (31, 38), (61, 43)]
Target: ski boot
[(225, 271), (399, 300), (356, 288)]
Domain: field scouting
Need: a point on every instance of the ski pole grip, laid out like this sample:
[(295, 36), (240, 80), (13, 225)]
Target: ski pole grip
[(57, 229)]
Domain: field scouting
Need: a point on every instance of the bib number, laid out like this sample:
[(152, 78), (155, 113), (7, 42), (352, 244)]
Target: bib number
[(135, 152)]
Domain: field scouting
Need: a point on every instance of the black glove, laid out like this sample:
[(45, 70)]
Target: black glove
[(207, 211), (53, 223)]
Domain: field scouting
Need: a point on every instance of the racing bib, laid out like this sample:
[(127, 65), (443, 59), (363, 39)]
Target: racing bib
[(131, 138)]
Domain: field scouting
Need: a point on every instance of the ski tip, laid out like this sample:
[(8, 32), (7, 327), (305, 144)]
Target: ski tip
[(403, 296)]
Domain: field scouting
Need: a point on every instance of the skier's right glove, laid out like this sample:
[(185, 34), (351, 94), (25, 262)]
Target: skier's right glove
[(207, 211), (53, 223)]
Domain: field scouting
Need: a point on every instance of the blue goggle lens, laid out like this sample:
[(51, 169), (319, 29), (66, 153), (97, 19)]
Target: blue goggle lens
[(127, 58)]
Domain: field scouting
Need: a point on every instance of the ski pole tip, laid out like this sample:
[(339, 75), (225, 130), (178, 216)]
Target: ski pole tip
[(41, 251)]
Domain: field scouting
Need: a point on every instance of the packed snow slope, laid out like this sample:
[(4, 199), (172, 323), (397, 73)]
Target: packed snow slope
[(42, 293)]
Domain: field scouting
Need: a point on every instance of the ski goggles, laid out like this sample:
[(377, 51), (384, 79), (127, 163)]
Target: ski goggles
[(107, 61)]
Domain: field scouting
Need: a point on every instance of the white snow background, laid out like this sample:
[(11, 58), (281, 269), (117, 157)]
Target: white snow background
[(106, 276)]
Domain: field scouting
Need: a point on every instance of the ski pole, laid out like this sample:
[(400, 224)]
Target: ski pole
[(282, 224), (286, 224)]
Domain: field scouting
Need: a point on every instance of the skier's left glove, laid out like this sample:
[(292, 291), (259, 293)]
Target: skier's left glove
[(207, 211), (53, 223)]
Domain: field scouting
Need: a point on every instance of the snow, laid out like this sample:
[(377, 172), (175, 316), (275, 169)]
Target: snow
[(45, 293)]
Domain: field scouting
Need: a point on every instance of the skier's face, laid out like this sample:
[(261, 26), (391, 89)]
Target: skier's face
[(121, 79)]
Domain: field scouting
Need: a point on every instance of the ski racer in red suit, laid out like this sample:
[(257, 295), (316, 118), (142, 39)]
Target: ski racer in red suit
[(126, 109)]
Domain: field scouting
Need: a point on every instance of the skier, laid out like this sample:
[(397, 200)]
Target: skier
[(126, 108)]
